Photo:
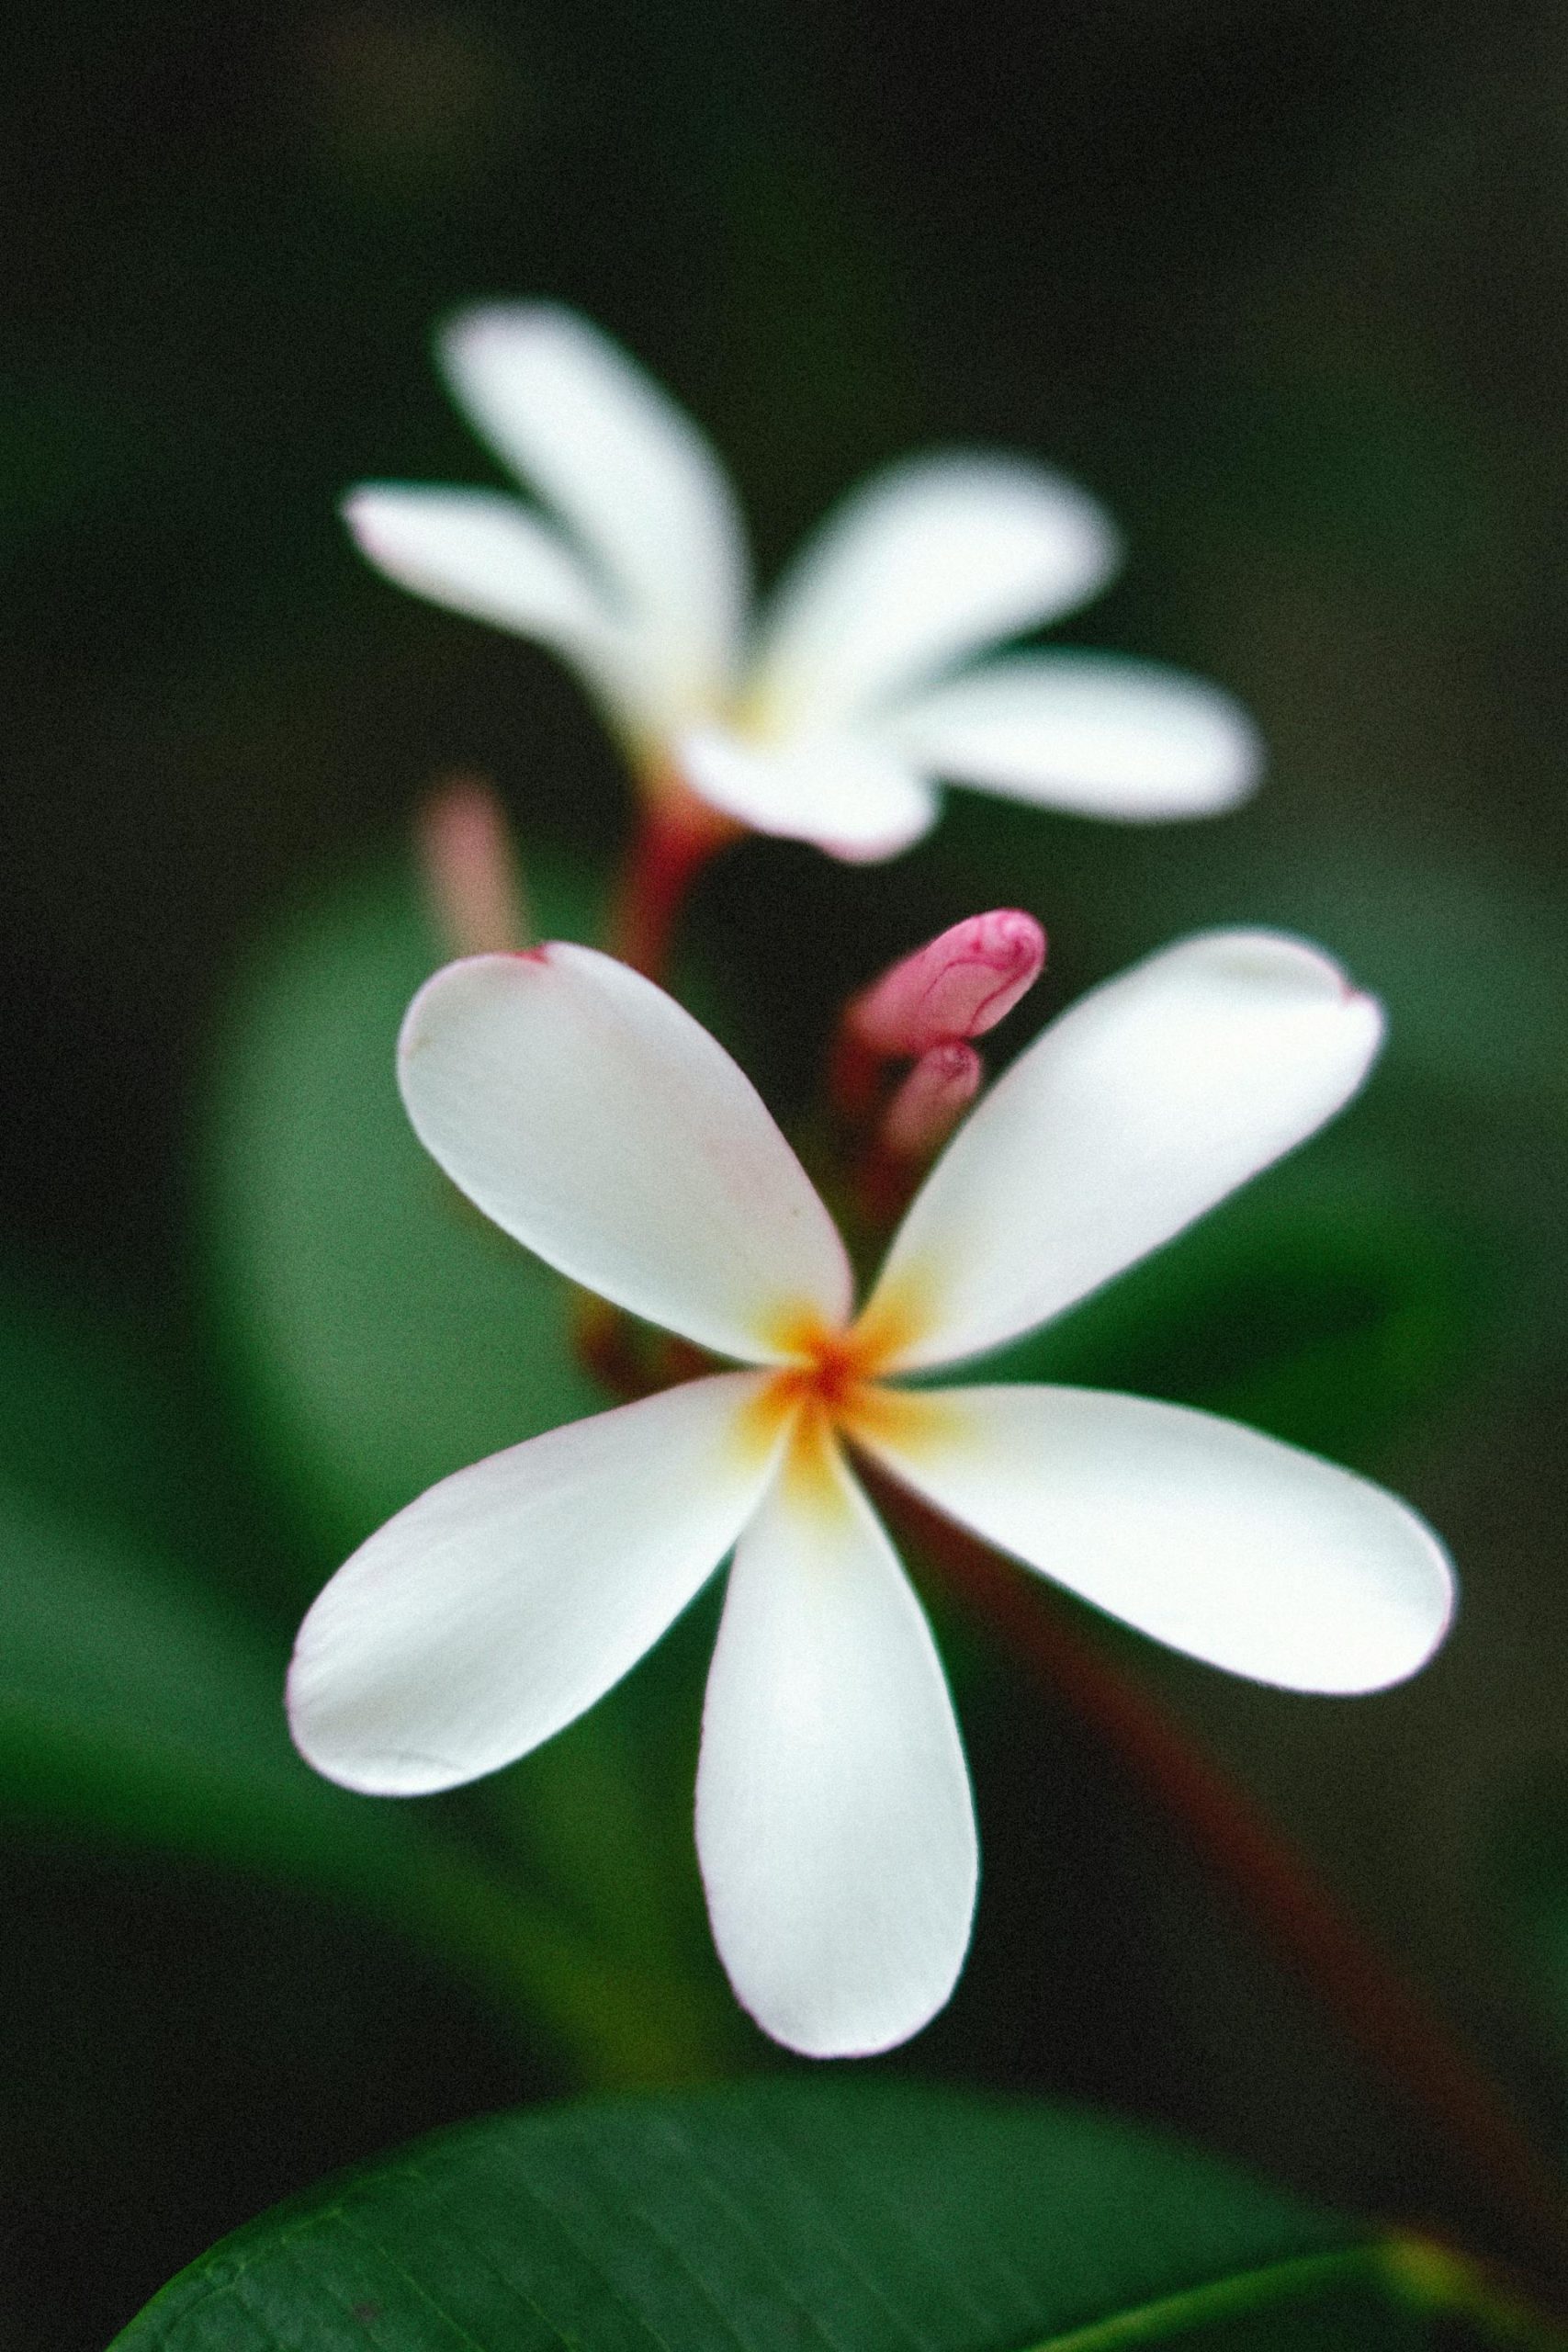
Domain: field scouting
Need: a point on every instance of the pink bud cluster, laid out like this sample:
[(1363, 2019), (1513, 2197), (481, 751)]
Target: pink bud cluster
[(925, 1010)]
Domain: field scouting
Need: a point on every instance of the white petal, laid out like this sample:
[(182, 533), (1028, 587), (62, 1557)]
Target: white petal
[(631, 474), (854, 798), (1091, 732), (928, 561), (1142, 1106), (1227, 1544), (834, 1824), (595, 1121), (507, 1600), (485, 555)]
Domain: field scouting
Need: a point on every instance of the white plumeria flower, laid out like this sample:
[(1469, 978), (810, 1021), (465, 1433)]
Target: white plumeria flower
[(593, 1119), (829, 718)]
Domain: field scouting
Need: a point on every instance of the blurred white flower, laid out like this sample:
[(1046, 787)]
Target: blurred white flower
[(829, 717), (594, 1120)]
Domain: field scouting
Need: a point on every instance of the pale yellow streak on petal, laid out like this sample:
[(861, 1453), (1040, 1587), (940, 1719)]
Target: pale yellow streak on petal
[(912, 1419), (762, 1424), (894, 1318), (812, 1478)]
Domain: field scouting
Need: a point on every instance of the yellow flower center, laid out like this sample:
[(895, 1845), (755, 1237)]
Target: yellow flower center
[(833, 1388)]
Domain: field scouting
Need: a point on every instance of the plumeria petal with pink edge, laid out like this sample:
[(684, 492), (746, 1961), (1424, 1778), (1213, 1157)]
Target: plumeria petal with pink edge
[(830, 717), (512, 1596), (1138, 1109), (1222, 1542), (597, 1122), (622, 1144)]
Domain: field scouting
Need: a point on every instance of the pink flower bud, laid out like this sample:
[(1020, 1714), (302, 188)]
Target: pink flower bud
[(959, 986), (931, 1102), (469, 867)]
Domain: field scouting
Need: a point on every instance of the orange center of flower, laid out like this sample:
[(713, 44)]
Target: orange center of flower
[(836, 1366), (835, 1386)]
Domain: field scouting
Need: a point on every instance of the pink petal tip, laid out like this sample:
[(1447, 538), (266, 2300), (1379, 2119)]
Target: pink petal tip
[(470, 866), (959, 986)]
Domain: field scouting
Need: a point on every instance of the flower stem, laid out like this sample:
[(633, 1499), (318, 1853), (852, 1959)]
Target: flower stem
[(675, 837), (1389, 2021)]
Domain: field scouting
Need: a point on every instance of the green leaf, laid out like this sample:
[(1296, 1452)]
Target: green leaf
[(780, 2216), (136, 1707), (389, 1335), (140, 1706), (134, 1703), (99, 1418), (387, 1332)]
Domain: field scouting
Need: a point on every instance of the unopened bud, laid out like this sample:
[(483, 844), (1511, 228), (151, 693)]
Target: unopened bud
[(959, 986), (471, 875), (931, 1102)]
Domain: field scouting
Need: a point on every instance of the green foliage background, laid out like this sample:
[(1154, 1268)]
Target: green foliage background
[(1286, 285)]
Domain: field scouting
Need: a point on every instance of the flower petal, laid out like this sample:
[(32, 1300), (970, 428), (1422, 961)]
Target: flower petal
[(834, 1824), (1222, 1542), (1091, 732), (509, 1598), (596, 1122), (1144, 1105), (927, 563), (485, 555), (632, 475), (854, 798)]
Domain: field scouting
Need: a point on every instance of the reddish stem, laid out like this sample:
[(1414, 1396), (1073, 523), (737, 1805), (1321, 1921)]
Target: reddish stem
[(605, 1347), (677, 835), (1391, 2023), (629, 1359), (857, 1076)]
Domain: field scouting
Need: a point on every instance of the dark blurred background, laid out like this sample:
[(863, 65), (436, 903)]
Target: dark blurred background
[(1288, 286)]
